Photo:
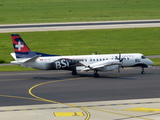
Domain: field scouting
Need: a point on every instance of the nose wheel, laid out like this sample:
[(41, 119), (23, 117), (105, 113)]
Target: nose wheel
[(143, 72)]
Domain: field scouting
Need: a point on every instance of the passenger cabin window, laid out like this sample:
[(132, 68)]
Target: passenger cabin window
[(85, 60)]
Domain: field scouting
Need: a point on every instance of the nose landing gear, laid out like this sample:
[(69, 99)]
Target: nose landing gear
[(143, 72)]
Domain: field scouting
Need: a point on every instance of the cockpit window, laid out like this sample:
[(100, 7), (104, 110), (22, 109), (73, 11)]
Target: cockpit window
[(143, 57)]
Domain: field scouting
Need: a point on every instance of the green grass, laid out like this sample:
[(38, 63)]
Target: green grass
[(37, 11), (156, 61), (15, 68), (83, 42)]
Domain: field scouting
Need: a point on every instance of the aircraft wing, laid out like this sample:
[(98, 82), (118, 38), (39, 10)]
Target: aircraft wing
[(102, 64)]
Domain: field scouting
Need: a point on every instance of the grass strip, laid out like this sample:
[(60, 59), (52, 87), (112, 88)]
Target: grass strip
[(11, 68), (46, 11), (156, 61), (84, 42)]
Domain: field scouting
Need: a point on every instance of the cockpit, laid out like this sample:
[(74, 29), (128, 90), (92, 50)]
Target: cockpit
[(143, 57)]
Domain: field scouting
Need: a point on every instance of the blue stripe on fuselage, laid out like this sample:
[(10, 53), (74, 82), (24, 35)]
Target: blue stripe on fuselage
[(31, 54)]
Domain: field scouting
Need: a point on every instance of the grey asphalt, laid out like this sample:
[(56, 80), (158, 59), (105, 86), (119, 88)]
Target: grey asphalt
[(65, 88), (154, 56)]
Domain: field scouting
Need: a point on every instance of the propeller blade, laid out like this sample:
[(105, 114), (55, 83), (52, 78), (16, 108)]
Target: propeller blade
[(121, 60), (119, 69), (119, 56)]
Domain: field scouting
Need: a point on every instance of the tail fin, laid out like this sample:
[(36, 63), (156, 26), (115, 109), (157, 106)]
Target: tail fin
[(18, 44), (22, 50)]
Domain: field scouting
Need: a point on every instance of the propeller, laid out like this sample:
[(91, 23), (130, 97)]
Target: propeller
[(120, 60)]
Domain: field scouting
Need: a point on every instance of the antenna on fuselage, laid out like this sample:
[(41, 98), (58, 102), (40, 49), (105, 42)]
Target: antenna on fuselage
[(95, 53)]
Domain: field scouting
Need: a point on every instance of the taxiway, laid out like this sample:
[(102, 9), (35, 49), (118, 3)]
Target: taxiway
[(39, 95), (78, 25)]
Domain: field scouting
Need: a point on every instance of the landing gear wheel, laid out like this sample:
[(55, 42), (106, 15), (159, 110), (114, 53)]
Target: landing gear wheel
[(143, 72), (74, 72), (96, 75)]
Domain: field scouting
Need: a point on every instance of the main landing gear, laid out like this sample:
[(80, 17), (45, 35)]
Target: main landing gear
[(74, 72), (96, 75), (143, 72)]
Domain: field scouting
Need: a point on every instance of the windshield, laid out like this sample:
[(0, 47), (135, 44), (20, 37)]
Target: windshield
[(143, 57)]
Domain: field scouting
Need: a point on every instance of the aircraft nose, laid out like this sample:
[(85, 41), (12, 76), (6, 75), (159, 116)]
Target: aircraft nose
[(150, 63)]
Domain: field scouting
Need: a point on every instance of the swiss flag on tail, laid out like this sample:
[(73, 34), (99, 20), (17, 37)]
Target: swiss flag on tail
[(18, 44)]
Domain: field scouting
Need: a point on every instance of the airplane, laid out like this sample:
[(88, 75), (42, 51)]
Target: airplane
[(96, 62)]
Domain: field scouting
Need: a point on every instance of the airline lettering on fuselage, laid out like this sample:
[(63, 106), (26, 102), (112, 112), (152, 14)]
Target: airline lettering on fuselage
[(61, 64), (137, 60)]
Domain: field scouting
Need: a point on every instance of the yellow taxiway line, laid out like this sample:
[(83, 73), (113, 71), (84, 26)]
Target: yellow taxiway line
[(46, 100)]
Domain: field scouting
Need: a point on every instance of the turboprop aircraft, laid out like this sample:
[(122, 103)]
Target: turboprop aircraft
[(106, 62)]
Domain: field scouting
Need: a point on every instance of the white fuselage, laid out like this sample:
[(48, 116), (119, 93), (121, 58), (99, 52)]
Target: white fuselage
[(46, 63)]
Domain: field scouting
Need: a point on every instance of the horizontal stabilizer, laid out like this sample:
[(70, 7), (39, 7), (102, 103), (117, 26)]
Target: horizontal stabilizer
[(20, 62), (32, 59), (14, 56)]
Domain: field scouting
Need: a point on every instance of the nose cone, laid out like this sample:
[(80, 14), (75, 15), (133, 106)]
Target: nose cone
[(149, 63)]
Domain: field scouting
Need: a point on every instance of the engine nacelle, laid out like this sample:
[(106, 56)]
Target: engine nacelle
[(111, 68), (105, 65)]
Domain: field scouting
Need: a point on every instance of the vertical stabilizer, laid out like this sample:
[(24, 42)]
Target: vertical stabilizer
[(22, 50), (18, 44)]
